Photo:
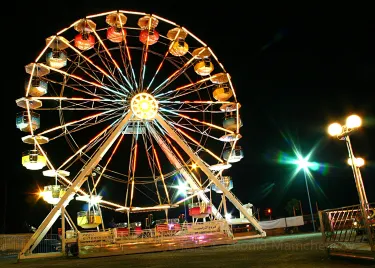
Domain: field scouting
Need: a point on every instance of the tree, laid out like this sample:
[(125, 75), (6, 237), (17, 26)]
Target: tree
[(291, 207)]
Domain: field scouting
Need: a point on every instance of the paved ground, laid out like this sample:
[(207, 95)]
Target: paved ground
[(303, 250)]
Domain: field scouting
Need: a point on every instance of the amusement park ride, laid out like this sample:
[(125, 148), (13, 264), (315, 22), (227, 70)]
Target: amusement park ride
[(134, 134)]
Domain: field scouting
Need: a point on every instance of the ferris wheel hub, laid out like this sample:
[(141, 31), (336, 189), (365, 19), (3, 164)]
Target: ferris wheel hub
[(144, 106)]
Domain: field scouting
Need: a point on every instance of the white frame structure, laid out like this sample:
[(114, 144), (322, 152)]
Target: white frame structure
[(182, 114)]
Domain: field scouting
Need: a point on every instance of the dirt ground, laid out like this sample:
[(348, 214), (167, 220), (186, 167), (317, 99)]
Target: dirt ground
[(301, 250)]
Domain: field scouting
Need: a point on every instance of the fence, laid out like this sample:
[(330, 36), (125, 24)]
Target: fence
[(346, 230), (11, 244)]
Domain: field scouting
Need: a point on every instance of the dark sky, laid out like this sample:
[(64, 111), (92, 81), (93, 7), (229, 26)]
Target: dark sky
[(295, 70)]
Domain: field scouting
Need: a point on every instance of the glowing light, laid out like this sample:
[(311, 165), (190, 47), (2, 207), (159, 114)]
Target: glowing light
[(334, 129), (359, 162), (194, 166), (182, 188), (353, 121), (90, 199), (52, 193), (144, 106), (228, 216)]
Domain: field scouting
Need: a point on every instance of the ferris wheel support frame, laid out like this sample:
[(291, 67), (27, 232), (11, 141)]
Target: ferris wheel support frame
[(183, 171), (51, 218), (210, 175)]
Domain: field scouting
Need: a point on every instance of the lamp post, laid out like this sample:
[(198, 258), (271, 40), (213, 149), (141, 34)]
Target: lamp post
[(303, 163), (342, 132)]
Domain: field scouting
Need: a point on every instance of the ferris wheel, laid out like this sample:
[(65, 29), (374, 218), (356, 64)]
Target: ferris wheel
[(133, 105)]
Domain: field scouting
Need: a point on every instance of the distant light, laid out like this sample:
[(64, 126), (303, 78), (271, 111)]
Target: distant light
[(90, 199), (353, 121), (359, 162), (182, 188), (302, 162), (334, 129), (194, 166)]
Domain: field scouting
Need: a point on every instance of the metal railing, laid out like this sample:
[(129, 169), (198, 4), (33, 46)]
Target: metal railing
[(348, 225), (50, 243), (11, 244)]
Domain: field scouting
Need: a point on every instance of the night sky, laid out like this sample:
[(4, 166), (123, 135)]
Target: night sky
[(295, 70)]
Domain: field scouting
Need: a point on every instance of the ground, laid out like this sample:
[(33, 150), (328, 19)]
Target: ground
[(301, 250)]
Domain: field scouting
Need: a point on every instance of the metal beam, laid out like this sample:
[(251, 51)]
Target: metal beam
[(64, 201), (177, 164), (231, 197)]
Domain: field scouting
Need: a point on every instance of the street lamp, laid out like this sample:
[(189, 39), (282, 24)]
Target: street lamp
[(342, 132), (359, 162), (303, 163)]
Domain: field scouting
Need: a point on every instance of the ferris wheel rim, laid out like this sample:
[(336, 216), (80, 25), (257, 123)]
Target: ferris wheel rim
[(163, 110)]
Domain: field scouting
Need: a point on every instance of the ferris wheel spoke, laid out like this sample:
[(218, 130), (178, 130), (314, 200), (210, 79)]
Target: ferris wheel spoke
[(65, 103), (145, 55), (74, 122), (184, 90), (106, 62), (95, 66), (183, 122), (77, 153), (94, 75), (163, 60), (116, 92), (128, 56), (163, 137), (173, 94), (83, 150), (114, 62), (148, 194), (131, 171), (172, 77), (151, 163), (79, 88), (108, 161), (85, 125), (199, 145), (175, 75), (127, 63), (161, 174), (184, 163), (198, 131), (171, 151), (199, 121), (161, 129)]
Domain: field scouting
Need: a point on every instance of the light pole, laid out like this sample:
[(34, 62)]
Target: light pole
[(342, 132), (303, 163)]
